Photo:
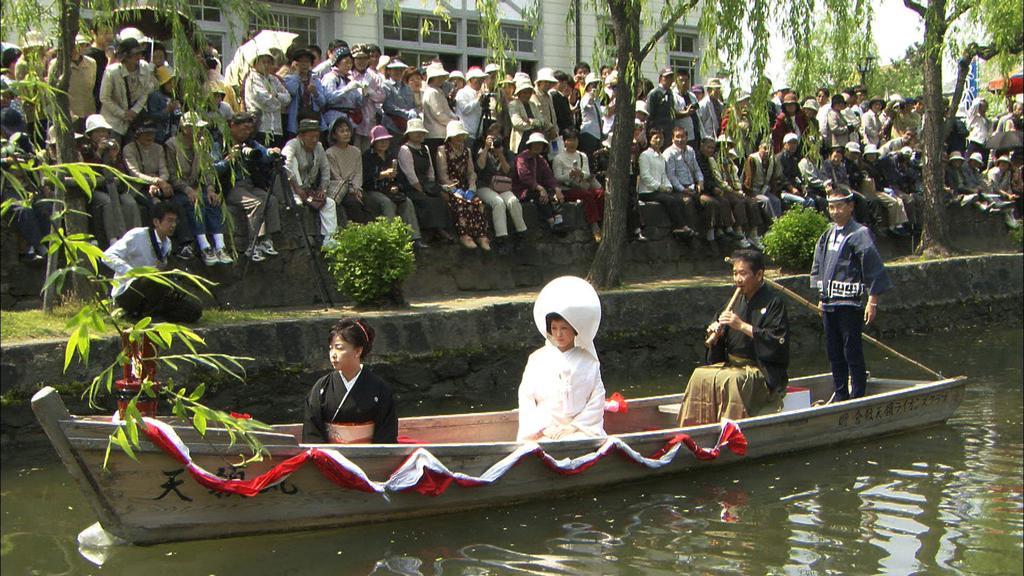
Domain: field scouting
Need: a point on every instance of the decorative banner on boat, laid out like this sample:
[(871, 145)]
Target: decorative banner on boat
[(422, 472)]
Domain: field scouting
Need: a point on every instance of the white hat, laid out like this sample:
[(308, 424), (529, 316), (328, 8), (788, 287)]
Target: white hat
[(1003, 158), (906, 151), (742, 95), (436, 71), (955, 155), (524, 85), (82, 39), (95, 121), (521, 76), (641, 106), (455, 128), (33, 39), (415, 125), (810, 104), (132, 33), (592, 78), (977, 157), (457, 74), (791, 137), (612, 78), (853, 147), (475, 72), (713, 83), (396, 64), (577, 302), (192, 119), (546, 75), (492, 68), (870, 149), (732, 153), (537, 138)]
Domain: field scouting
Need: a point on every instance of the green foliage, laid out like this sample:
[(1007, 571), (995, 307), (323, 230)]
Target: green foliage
[(829, 55), (370, 261), (791, 239), (901, 76), (1017, 235)]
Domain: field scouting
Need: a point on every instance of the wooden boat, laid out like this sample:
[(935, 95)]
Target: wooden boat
[(155, 500)]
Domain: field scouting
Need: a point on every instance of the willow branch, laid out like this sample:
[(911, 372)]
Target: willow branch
[(916, 7), (680, 10)]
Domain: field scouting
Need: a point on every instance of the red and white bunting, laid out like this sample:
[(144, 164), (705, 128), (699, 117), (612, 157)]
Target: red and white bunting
[(422, 472)]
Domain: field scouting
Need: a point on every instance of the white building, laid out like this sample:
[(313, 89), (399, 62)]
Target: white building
[(458, 42)]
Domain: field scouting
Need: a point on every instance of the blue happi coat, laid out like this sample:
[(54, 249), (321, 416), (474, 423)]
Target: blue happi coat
[(847, 266)]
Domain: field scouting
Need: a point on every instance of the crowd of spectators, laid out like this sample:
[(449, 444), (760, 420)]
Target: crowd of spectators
[(354, 134)]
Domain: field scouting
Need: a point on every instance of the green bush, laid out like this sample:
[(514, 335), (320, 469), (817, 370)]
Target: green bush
[(791, 239), (1017, 234), (370, 261)]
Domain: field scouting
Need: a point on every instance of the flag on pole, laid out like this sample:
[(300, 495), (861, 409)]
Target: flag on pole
[(971, 88)]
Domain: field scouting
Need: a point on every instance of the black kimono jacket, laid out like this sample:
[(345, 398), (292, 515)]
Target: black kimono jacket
[(766, 312), (370, 401)]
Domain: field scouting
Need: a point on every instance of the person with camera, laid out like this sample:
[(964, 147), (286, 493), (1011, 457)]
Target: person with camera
[(525, 117), (572, 170), (162, 106), (149, 246), (146, 160), (246, 171), (494, 169), (380, 183), (111, 203), (304, 86), (125, 87), (471, 103), (198, 193), (309, 176)]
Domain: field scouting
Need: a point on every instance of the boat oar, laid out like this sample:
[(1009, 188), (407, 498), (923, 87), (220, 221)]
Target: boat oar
[(865, 335)]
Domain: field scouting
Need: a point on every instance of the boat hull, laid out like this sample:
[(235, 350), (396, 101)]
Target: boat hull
[(155, 500)]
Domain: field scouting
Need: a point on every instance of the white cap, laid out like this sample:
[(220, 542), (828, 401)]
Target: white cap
[(641, 106), (592, 78), (791, 137), (870, 149), (475, 72), (853, 147), (95, 121), (492, 68)]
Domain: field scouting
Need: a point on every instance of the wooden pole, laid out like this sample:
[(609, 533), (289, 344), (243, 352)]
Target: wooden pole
[(800, 299)]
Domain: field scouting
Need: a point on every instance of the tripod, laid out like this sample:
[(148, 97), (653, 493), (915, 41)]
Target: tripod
[(280, 180)]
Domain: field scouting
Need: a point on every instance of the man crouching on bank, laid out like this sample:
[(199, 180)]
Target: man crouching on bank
[(748, 352)]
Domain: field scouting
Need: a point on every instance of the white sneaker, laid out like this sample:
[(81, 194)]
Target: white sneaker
[(744, 243), (267, 247), (255, 254), (209, 257), (223, 257)]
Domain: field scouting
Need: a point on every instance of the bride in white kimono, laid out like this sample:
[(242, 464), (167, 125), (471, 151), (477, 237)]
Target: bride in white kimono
[(561, 396)]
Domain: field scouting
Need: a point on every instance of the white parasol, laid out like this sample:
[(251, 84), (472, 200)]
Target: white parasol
[(575, 300), (246, 54)]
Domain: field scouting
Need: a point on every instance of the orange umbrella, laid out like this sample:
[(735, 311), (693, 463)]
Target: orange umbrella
[(1016, 83)]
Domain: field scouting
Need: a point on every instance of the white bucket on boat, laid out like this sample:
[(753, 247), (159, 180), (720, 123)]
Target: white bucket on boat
[(796, 398)]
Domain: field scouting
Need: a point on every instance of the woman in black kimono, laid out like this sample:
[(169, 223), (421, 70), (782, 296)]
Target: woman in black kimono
[(351, 393)]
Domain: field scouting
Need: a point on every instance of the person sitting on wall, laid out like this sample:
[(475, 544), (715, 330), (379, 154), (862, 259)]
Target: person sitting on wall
[(344, 403), (149, 246), (561, 396), (748, 353)]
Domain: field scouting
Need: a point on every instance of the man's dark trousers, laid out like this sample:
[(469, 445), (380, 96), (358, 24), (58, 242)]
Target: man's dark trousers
[(843, 326)]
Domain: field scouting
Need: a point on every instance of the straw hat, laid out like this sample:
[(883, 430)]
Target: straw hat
[(455, 128), (163, 75), (415, 125)]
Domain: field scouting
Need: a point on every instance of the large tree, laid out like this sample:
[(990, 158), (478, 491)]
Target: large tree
[(999, 24)]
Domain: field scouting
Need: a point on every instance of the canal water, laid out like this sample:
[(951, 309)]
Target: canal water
[(942, 500)]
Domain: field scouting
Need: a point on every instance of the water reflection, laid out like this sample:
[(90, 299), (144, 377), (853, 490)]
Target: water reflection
[(942, 499)]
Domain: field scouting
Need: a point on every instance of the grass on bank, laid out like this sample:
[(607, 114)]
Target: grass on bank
[(26, 325)]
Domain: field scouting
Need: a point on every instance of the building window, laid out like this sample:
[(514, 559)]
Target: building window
[(305, 26), (216, 40), (683, 54), (521, 39), (205, 10), (420, 28)]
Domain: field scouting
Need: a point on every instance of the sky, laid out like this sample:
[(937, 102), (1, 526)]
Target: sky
[(894, 29)]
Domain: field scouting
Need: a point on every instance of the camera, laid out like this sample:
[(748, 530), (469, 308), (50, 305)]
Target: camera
[(498, 142), (249, 153)]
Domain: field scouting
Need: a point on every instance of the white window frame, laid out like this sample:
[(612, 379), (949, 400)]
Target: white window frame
[(686, 59)]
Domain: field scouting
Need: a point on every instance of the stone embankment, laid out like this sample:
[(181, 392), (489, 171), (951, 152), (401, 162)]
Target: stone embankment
[(471, 352)]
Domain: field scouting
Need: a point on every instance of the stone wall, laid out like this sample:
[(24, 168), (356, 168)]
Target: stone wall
[(473, 356), (289, 280)]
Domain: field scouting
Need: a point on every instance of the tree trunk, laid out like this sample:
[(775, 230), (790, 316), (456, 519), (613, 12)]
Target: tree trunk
[(74, 203), (935, 234), (606, 269)]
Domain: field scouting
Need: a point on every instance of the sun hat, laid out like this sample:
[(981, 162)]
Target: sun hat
[(713, 83), (641, 106), (537, 138), (810, 104), (475, 72), (309, 125), (457, 74), (546, 75), (436, 71), (791, 137), (396, 64), (592, 78), (379, 133), (415, 125), (164, 74), (524, 85), (492, 68), (853, 147), (870, 149), (455, 128), (977, 157)]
